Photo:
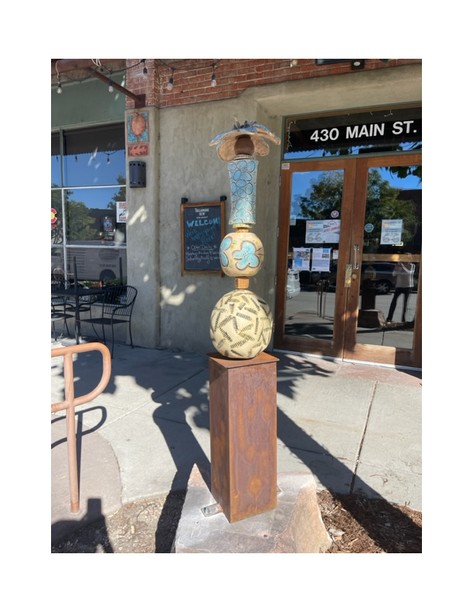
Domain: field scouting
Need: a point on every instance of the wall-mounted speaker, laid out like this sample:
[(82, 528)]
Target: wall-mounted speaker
[(137, 174)]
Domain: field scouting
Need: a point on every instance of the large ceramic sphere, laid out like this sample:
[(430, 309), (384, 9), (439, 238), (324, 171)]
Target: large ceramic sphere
[(241, 254), (241, 325)]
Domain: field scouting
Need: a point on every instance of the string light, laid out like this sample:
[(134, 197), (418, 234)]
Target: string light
[(59, 88), (170, 83)]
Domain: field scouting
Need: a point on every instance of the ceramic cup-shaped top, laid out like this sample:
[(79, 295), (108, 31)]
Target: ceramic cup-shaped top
[(241, 254)]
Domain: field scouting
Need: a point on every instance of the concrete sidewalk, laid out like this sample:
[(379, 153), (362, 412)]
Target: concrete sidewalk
[(353, 427)]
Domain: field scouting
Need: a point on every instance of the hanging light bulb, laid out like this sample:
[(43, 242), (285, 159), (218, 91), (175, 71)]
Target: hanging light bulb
[(110, 87), (59, 88), (213, 80), (170, 83)]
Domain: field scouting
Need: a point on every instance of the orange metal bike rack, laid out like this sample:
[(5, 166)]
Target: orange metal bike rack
[(71, 402)]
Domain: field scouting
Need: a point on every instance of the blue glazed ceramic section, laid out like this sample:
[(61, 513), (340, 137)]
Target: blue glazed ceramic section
[(243, 191)]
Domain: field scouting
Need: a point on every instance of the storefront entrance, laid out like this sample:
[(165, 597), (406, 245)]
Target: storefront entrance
[(349, 259)]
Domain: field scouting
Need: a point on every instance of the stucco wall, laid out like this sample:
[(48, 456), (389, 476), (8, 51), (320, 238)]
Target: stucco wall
[(174, 310), (143, 242)]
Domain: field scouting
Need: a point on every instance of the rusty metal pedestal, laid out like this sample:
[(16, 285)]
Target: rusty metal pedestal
[(243, 434)]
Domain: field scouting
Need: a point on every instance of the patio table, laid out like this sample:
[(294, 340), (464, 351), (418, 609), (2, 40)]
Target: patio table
[(76, 293)]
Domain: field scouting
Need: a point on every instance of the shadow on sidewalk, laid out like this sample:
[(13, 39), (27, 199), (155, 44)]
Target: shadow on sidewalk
[(94, 521), (186, 451), (187, 410), (352, 502)]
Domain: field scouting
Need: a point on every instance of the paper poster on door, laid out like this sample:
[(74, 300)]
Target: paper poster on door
[(325, 230), (321, 260), (122, 212), (391, 231), (301, 259)]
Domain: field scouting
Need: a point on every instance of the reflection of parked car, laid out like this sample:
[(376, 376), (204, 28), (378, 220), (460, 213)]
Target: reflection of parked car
[(379, 274), (92, 264)]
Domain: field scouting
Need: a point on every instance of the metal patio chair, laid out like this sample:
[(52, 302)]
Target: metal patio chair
[(116, 309), (59, 313)]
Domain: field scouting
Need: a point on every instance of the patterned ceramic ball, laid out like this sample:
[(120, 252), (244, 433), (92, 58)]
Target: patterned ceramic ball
[(241, 325), (241, 254)]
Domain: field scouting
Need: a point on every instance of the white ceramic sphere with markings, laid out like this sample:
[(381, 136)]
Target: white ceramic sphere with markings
[(241, 324)]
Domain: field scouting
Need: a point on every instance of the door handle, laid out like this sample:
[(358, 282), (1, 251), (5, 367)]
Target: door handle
[(356, 250), (348, 273)]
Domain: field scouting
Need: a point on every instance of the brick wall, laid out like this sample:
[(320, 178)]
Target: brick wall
[(192, 77)]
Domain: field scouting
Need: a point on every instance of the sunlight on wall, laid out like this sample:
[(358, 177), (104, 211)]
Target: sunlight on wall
[(168, 296), (139, 215)]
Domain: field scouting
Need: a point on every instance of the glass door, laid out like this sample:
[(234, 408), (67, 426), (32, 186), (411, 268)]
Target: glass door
[(388, 229), (313, 255), (349, 259)]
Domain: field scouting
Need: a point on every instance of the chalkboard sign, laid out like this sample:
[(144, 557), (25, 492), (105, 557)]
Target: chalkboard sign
[(201, 235)]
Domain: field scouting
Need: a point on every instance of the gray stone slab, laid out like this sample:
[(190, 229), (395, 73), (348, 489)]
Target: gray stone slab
[(294, 526)]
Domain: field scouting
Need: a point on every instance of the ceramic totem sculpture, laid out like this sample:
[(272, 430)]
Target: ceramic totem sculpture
[(241, 323)]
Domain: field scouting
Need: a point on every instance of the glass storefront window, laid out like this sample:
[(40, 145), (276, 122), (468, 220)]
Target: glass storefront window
[(88, 204), (56, 180), (57, 226), (94, 156), (91, 216)]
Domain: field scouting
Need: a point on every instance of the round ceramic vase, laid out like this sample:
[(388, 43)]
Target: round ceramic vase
[(241, 325)]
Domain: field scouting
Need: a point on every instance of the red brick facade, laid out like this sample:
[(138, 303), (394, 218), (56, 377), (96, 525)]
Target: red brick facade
[(192, 77)]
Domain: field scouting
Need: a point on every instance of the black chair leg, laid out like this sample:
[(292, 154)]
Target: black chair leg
[(131, 337), (64, 326), (103, 334), (113, 340)]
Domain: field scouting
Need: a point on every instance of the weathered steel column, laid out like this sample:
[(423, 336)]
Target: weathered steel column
[(243, 440)]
